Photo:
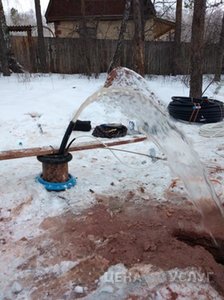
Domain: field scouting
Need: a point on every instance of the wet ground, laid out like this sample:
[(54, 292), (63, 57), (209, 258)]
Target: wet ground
[(121, 230)]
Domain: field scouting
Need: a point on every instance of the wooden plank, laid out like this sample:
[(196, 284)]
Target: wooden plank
[(29, 152)]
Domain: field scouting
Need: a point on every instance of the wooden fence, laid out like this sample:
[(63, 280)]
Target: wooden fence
[(71, 56)]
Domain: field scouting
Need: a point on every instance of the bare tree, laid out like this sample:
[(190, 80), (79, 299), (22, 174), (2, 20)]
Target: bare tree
[(177, 38), (17, 18), (86, 45), (117, 54), (165, 8), (3, 43), (41, 43), (197, 49), (139, 45), (9, 62), (83, 32), (220, 54)]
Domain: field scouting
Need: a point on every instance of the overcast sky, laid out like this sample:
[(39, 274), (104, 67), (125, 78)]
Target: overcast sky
[(24, 5)]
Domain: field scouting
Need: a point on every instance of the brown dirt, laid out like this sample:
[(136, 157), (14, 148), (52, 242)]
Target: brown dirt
[(117, 231)]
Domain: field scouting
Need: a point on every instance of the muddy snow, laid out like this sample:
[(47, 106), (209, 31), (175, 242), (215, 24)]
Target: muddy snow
[(123, 231)]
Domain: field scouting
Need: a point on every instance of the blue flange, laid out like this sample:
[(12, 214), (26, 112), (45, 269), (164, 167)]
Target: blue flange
[(57, 186)]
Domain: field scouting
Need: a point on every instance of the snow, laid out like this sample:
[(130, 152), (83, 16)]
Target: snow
[(79, 289), (35, 111), (144, 281)]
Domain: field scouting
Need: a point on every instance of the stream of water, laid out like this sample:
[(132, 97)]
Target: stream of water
[(153, 121)]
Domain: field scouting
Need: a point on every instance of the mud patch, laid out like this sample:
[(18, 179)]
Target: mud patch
[(210, 236), (118, 232), (215, 246)]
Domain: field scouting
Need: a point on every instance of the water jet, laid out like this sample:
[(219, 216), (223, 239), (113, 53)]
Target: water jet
[(128, 92)]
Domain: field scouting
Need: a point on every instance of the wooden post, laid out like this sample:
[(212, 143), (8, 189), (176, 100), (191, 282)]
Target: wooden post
[(31, 51), (55, 173), (55, 167)]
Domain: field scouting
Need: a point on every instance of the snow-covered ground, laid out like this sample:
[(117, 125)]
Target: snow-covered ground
[(35, 111)]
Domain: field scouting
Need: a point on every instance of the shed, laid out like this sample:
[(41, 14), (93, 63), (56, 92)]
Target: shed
[(102, 19)]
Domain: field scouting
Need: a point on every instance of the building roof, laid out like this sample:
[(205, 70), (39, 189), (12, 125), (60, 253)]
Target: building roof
[(162, 26), (20, 28), (61, 10)]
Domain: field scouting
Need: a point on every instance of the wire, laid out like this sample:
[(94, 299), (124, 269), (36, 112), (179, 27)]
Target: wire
[(114, 149), (69, 145), (210, 83), (138, 153)]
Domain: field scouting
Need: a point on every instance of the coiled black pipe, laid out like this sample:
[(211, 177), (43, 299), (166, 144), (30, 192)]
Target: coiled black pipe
[(202, 110)]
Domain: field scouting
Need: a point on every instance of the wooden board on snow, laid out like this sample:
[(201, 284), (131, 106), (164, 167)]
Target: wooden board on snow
[(28, 152)]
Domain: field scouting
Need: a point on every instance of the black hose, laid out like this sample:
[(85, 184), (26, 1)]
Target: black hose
[(66, 137), (202, 110), (55, 159)]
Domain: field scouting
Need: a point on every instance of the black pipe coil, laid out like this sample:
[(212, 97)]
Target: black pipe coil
[(202, 110), (109, 131)]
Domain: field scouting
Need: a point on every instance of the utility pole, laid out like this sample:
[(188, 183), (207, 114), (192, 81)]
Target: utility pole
[(41, 44), (3, 43)]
